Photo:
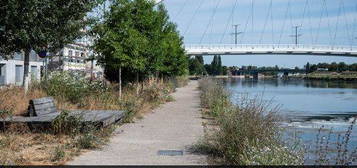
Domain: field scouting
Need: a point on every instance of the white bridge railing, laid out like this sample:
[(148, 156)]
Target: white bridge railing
[(231, 49)]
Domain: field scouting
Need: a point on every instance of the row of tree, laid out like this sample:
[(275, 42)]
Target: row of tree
[(135, 37), (332, 67), (197, 66)]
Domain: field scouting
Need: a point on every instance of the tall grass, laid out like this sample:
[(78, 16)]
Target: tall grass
[(247, 133)]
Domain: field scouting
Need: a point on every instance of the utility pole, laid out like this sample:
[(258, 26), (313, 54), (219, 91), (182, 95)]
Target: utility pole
[(236, 33), (296, 35)]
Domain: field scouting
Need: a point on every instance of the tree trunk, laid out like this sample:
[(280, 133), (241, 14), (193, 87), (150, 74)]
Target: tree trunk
[(25, 81), (91, 70), (120, 83), (137, 83)]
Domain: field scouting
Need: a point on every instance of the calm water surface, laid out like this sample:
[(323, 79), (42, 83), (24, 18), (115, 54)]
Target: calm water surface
[(306, 106)]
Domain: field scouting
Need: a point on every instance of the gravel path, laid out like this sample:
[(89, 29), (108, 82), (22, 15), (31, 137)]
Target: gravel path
[(174, 126)]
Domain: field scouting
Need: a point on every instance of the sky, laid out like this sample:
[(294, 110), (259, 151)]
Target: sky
[(323, 22)]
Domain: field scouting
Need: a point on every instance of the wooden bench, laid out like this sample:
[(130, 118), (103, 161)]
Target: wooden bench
[(42, 106), (43, 111)]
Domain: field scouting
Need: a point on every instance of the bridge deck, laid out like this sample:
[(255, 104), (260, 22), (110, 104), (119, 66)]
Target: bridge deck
[(348, 51)]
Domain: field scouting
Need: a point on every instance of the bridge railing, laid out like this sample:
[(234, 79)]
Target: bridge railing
[(270, 46)]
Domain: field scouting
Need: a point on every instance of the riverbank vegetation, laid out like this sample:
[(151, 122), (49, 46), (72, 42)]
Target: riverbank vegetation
[(244, 134)]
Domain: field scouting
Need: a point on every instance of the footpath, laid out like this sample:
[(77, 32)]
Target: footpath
[(162, 137)]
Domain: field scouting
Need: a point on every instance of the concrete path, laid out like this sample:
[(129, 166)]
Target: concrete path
[(174, 126)]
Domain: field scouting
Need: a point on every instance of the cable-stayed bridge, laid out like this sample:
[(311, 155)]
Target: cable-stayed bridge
[(248, 49), (289, 27)]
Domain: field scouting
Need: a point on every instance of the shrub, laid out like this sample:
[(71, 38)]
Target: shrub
[(66, 124), (87, 141), (58, 153), (248, 132), (71, 87)]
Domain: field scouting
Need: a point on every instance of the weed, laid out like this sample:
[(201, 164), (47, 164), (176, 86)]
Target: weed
[(58, 153), (67, 124)]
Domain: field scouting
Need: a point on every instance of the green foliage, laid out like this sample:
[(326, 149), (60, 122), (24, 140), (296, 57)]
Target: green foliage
[(139, 38), (58, 153), (88, 141), (70, 87), (66, 124), (196, 66), (41, 25), (215, 68)]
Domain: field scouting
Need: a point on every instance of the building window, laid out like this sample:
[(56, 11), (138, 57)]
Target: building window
[(70, 53), (33, 72), (18, 73), (77, 54), (82, 54), (2, 69)]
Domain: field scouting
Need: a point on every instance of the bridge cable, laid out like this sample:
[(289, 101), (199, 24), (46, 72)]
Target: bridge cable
[(230, 17), (285, 17), (290, 16), (337, 22), (272, 23), (266, 21), (355, 27), (348, 32), (319, 24), (181, 9), (210, 20), (328, 20), (253, 16), (245, 28), (308, 8), (193, 17)]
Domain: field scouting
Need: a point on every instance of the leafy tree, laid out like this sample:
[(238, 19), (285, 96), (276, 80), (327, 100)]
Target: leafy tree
[(196, 67), (139, 39), (40, 25)]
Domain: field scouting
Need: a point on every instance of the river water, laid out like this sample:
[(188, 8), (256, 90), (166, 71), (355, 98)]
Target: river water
[(308, 107)]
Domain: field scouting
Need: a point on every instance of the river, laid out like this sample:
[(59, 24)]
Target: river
[(306, 107)]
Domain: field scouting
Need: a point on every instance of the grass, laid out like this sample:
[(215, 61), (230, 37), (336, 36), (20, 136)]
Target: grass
[(246, 133), (67, 138)]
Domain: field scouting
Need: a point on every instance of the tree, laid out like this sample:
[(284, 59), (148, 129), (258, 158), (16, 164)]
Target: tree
[(139, 39), (40, 25), (196, 67)]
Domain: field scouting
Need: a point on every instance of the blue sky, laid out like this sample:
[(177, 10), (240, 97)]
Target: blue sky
[(331, 23)]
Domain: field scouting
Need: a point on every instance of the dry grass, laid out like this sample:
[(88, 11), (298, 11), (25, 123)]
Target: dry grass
[(15, 100), (20, 146)]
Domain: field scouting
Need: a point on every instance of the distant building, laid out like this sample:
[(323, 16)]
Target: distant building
[(75, 57), (12, 70)]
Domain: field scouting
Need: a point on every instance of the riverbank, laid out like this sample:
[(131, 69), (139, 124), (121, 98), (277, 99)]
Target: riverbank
[(246, 133), (174, 126), (331, 76), (19, 145)]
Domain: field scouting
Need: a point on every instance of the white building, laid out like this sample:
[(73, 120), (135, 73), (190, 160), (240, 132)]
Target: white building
[(75, 57), (12, 70)]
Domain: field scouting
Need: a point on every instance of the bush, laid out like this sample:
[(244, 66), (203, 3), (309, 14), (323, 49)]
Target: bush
[(66, 124), (71, 87), (248, 132)]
